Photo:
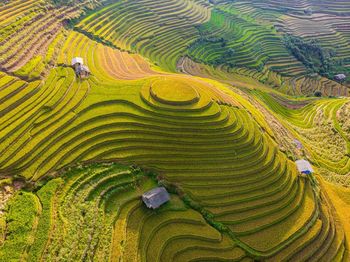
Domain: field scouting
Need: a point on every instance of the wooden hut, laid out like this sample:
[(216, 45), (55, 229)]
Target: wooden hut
[(340, 77), (81, 70), (304, 167), (155, 197)]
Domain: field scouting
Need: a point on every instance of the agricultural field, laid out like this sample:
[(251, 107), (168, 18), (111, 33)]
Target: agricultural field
[(203, 98)]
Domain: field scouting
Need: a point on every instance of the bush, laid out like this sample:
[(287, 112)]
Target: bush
[(318, 94)]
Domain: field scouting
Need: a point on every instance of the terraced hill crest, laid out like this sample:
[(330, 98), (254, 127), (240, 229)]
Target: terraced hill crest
[(181, 93), (200, 97)]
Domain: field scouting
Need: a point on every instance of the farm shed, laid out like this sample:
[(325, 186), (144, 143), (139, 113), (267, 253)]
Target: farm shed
[(77, 61), (340, 77), (80, 69), (155, 197), (304, 166)]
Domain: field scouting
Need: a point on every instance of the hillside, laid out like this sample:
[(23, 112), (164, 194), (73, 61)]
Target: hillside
[(204, 98)]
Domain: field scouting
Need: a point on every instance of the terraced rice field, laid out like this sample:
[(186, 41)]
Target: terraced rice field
[(77, 154), (30, 32), (244, 77), (241, 34), (298, 6), (317, 124), (253, 45), (249, 36), (114, 223), (155, 131), (105, 63), (149, 27)]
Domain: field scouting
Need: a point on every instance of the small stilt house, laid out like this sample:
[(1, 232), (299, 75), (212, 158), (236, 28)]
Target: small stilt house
[(81, 70), (155, 197), (304, 167), (340, 77)]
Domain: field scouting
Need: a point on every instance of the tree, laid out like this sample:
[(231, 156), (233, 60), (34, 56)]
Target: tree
[(318, 93)]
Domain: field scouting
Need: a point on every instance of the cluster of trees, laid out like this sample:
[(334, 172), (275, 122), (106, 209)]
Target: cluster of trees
[(70, 2), (211, 39), (315, 58)]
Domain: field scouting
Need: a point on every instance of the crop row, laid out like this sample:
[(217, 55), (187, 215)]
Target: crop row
[(107, 205), (28, 29), (150, 28), (215, 144), (316, 124)]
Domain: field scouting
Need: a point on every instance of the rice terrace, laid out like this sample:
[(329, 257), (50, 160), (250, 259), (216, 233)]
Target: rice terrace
[(174, 130)]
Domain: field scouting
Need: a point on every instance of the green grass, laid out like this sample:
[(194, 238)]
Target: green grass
[(46, 196), (20, 223)]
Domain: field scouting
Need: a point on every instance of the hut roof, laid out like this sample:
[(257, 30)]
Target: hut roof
[(76, 60), (340, 76), (155, 197), (298, 144), (85, 68), (304, 166)]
